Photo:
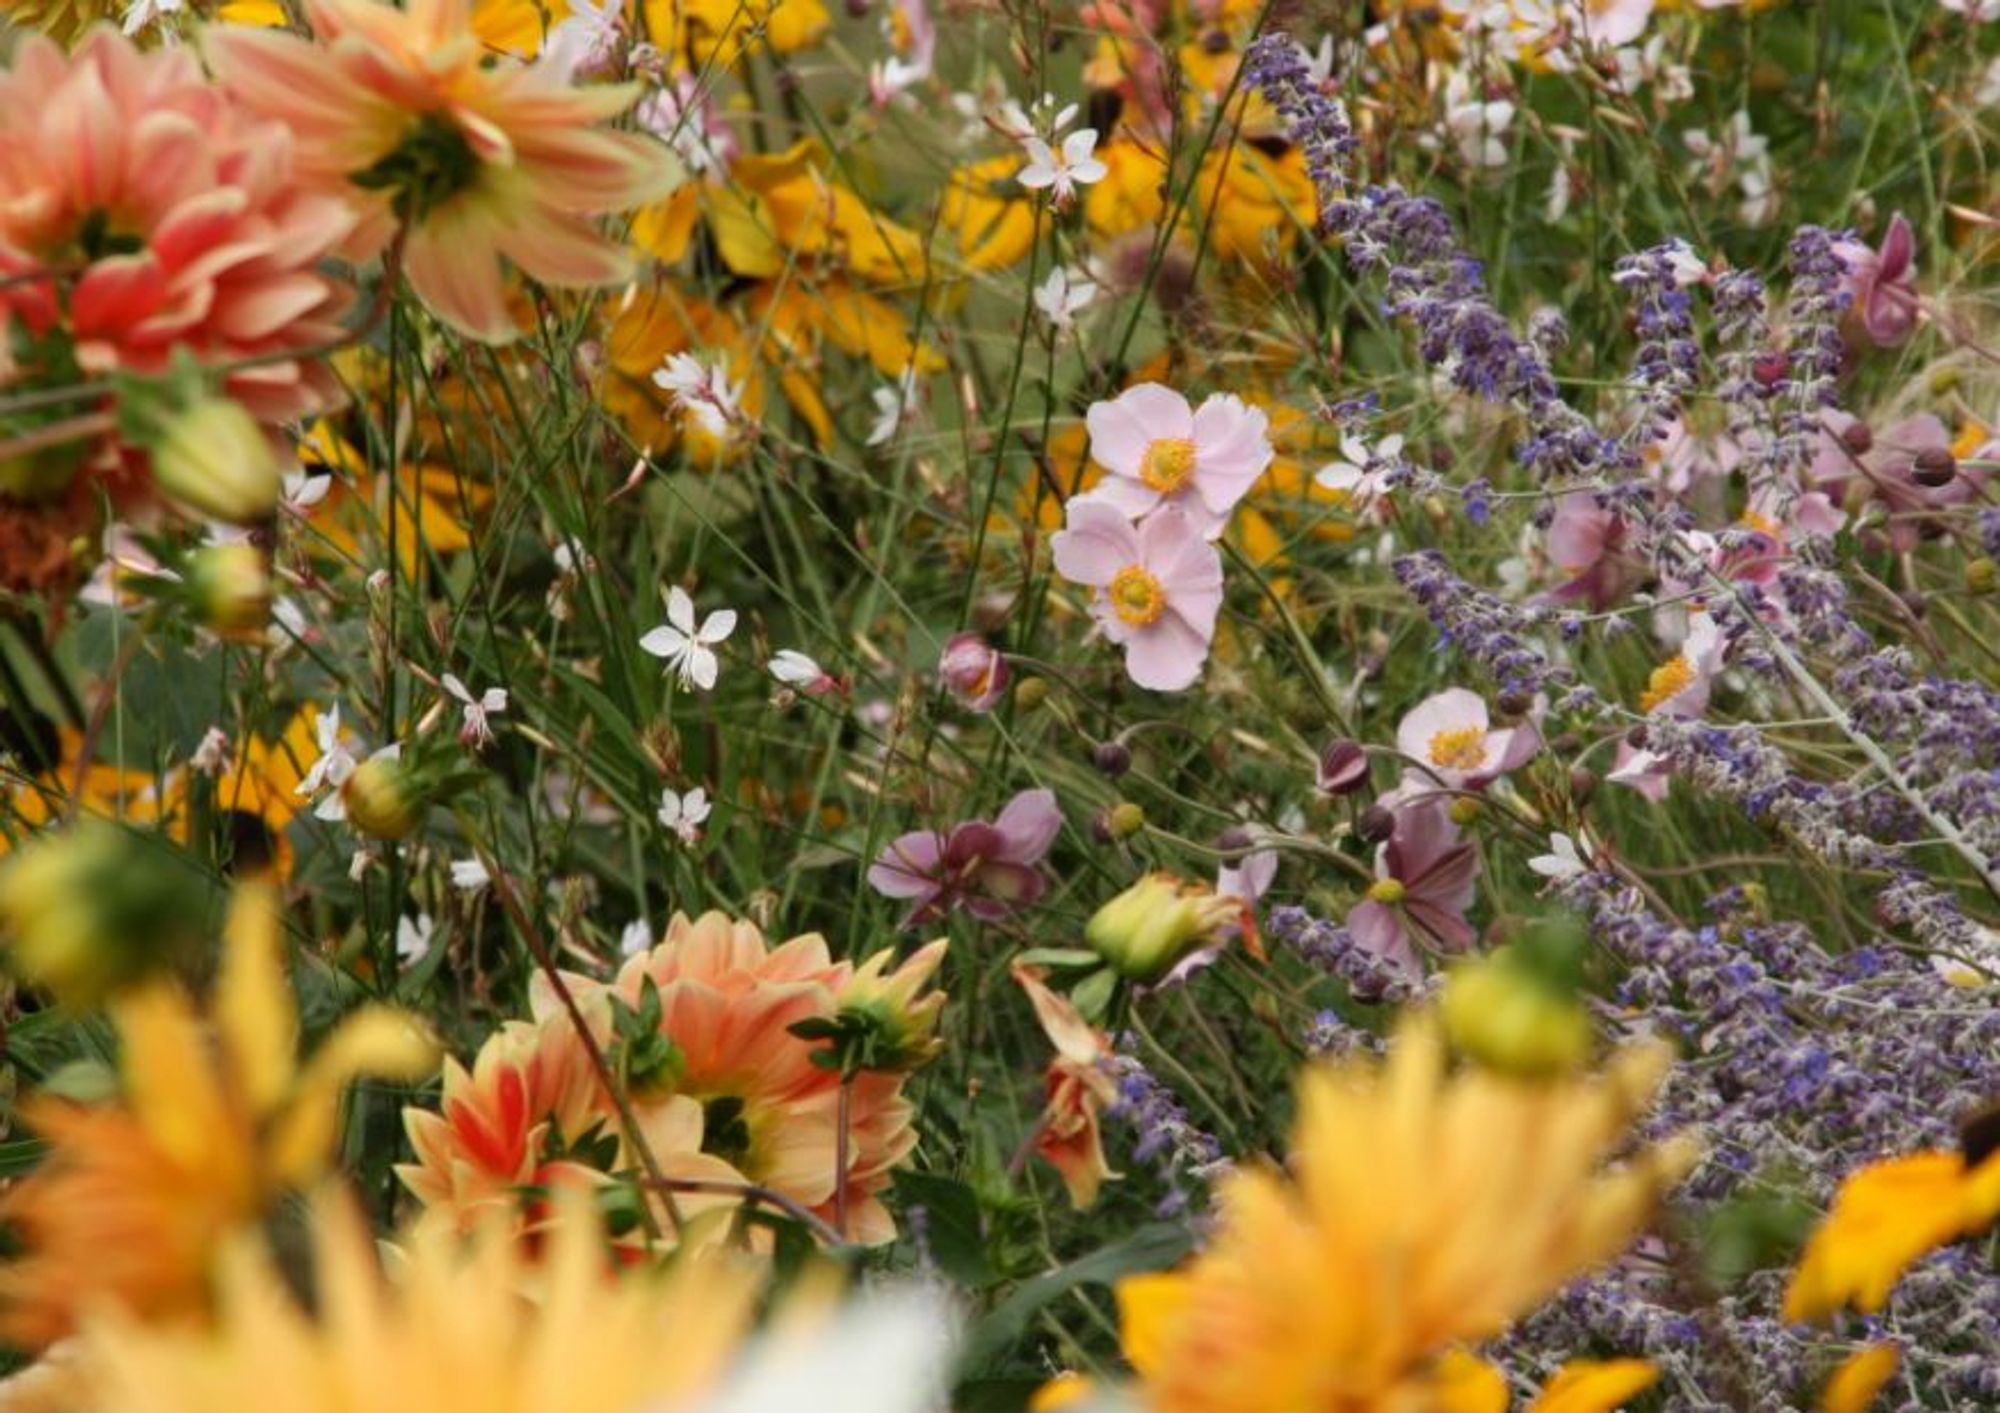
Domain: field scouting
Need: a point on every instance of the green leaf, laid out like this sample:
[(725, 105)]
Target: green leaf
[(1153, 1247), (953, 1228)]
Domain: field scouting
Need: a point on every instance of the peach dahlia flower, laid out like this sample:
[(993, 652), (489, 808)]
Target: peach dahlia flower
[(407, 115)]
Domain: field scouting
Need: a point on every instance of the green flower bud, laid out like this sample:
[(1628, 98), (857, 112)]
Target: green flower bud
[(1144, 931), (212, 458), (230, 588), (1505, 1016), (384, 800)]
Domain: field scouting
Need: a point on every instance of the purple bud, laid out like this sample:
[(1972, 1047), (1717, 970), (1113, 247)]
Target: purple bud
[(1343, 768)]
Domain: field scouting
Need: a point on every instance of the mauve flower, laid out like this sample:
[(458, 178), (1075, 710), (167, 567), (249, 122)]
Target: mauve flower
[(1161, 452), (1882, 284), (402, 113), (989, 869), (1159, 587), (974, 671), (1451, 738), (1586, 543), (1423, 885), (1889, 471)]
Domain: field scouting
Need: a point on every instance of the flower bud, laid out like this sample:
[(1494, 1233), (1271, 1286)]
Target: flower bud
[(882, 1023), (1980, 575), (90, 910), (230, 588), (1934, 467), (1144, 931), (1582, 784), (1858, 437), (974, 671), (1377, 823), (1507, 1018), (1124, 819), (1343, 768), (383, 798), (1032, 692), (213, 459), (1113, 758), (1463, 811)]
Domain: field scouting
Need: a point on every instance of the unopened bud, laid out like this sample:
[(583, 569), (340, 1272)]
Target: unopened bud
[(1464, 810), (1149, 927), (1506, 1018), (1113, 758), (230, 587), (1032, 692), (1582, 784), (1124, 819), (1980, 575), (1934, 467), (1376, 824), (213, 459), (382, 798), (973, 671), (1858, 437), (1343, 768)]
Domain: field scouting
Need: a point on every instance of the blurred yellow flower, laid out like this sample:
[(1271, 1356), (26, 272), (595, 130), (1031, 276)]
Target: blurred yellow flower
[(1859, 1378), (991, 220), (216, 1119), (1424, 1212), (1885, 1217)]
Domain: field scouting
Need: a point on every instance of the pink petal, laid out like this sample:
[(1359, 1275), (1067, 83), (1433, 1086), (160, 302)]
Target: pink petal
[(1029, 825), (1098, 543), (1167, 655), (1122, 429)]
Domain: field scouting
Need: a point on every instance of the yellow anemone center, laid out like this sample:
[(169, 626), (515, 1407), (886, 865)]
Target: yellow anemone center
[(1167, 464), (1762, 524), (1668, 681), (1463, 749), (1136, 595), (1386, 890)]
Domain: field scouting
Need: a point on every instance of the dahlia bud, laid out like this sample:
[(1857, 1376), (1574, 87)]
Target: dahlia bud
[(90, 910), (212, 458), (1343, 768), (1144, 931), (383, 798), (881, 1022), (230, 588), (1507, 1018), (974, 671)]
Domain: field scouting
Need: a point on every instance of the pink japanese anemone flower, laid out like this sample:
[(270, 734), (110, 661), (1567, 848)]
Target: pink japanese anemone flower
[(172, 223), (728, 1002), (1453, 744), (990, 869), (1158, 587), (1424, 880), (1160, 451), (403, 113), (1881, 284)]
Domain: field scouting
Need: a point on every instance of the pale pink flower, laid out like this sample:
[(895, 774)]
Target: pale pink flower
[(991, 870), (1882, 284), (1061, 170), (1900, 461), (1681, 685), (1160, 451), (1451, 740), (1424, 877), (1159, 587), (1587, 545), (1640, 770), (403, 113)]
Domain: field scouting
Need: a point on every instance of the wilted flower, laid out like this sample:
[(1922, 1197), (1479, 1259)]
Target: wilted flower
[(1079, 1089), (992, 870), (974, 671), (1159, 451), (1158, 587)]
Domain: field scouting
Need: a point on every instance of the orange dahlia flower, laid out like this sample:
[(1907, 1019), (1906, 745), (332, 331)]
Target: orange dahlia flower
[(168, 219), (728, 1002), (407, 116)]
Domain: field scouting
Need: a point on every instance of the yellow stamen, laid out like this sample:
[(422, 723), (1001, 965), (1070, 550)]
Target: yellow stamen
[(1388, 891), (1463, 749), (1167, 464), (1136, 595), (1762, 524), (1668, 681)]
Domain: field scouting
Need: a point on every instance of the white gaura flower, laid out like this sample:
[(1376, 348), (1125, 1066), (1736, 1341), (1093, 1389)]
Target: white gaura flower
[(895, 408), (684, 814), (303, 490), (690, 650), (1060, 171), (1562, 862), (887, 1352), (795, 669), (1478, 126), (704, 393), (585, 42), (1361, 471), (413, 938), (335, 761), (469, 875), (1065, 294), (636, 938), (478, 729)]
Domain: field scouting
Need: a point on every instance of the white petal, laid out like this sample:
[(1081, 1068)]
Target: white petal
[(720, 625), (701, 668), (680, 610)]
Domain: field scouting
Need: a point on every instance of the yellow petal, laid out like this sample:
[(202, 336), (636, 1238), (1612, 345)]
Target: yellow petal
[(1063, 1391), (375, 1040), (1859, 1378), (169, 1077), (1464, 1384), (1594, 1386), (1148, 1308), (253, 1000)]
